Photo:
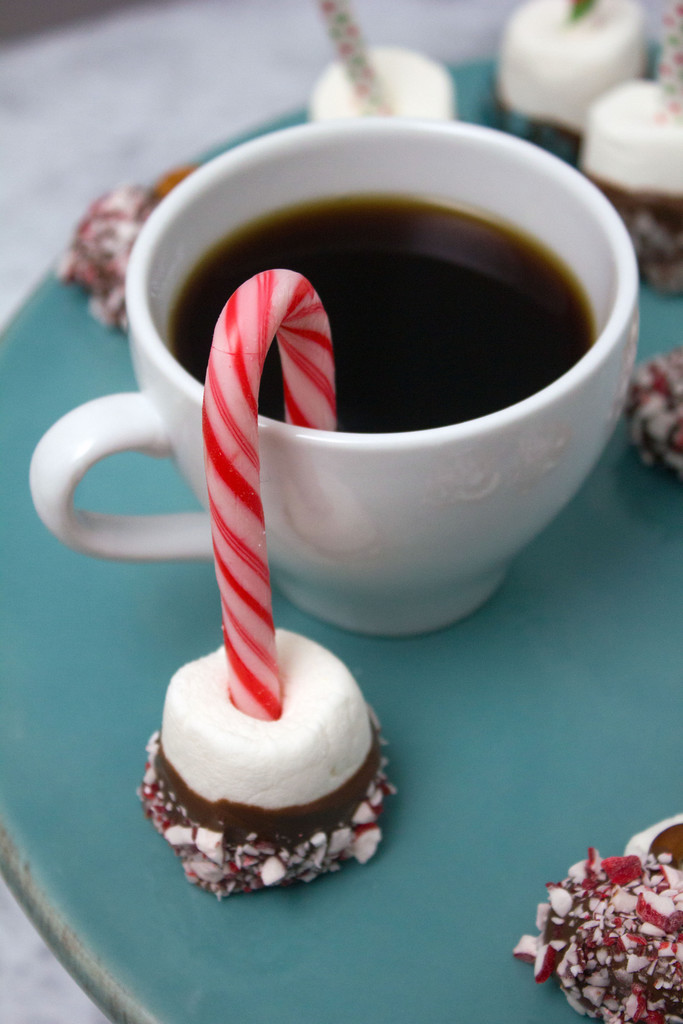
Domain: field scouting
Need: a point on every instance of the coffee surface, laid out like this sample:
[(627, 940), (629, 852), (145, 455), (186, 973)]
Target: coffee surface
[(438, 315)]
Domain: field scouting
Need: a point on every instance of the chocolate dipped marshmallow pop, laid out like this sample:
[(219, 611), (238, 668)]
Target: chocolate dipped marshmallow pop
[(654, 411), (267, 768), (96, 258), (389, 81), (633, 151), (611, 933), (556, 57)]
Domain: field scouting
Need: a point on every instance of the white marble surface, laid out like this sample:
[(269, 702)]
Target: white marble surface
[(123, 97)]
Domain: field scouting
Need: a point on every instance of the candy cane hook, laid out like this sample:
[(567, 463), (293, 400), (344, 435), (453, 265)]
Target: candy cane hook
[(282, 303)]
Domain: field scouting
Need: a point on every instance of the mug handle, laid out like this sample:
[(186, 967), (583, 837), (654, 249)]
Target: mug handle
[(75, 443)]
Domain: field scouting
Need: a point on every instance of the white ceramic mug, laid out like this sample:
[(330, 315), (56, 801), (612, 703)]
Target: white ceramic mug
[(382, 533)]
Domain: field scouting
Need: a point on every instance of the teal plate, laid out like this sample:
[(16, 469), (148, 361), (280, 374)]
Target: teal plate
[(548, 721)]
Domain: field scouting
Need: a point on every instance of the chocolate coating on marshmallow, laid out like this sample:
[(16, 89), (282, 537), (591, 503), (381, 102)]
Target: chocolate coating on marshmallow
[(550, 68), (664, 837)]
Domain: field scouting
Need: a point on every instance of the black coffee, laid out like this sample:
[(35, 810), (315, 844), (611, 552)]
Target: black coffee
[(437, 315)]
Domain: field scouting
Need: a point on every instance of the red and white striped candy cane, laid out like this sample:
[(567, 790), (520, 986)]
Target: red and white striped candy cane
[(275, 302)]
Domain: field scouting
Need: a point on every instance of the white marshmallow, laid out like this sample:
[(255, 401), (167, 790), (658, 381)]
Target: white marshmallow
[(321, 739), (639, 845), (414, 86), (551, 69), (628, 144)]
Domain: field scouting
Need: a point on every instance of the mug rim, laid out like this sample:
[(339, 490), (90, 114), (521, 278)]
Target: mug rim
[(623, 305)]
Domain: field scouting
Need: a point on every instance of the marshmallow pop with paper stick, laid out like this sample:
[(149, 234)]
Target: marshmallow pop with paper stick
[(633, 151), (556, 57), (378, 81)]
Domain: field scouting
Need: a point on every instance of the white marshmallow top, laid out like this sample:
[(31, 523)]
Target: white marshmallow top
[(414, 86), (551, 68), (628, 144), (321, 739), (639, 844)]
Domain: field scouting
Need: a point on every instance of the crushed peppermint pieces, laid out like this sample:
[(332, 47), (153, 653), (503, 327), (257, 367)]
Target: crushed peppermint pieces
[(219, 867), (654, 410), (611, 934), (97, 257)]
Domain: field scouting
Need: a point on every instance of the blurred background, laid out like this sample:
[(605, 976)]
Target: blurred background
[(94, 93), (97, 92)]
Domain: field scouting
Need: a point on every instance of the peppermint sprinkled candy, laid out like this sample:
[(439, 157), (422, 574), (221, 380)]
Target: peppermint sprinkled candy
[(347, 38), (654, 409), (98, 254), (670, 69), (611, 935)]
